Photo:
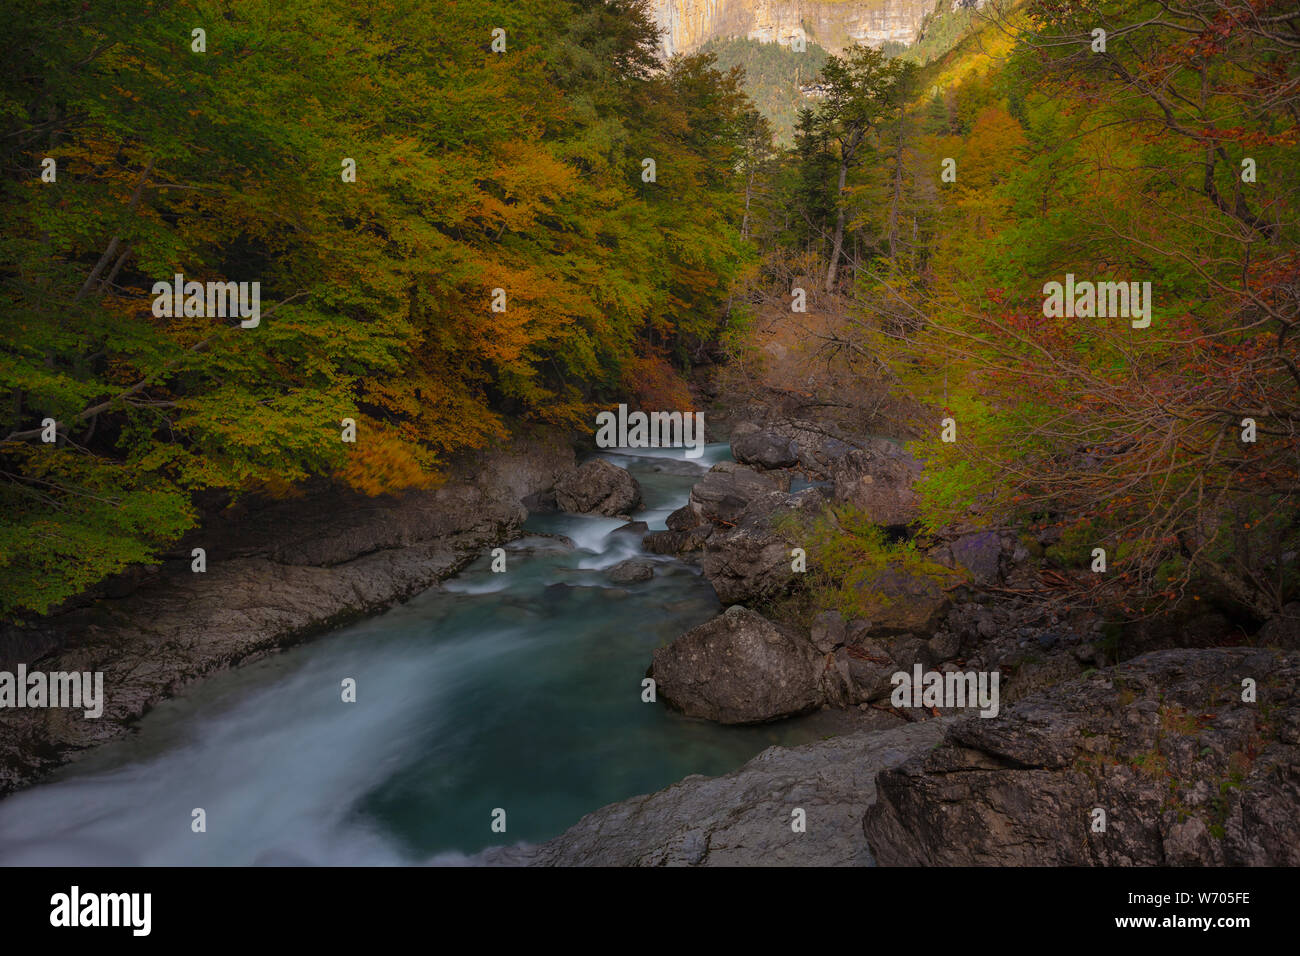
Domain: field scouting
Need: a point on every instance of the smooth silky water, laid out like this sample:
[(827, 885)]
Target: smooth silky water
[(518, 690)]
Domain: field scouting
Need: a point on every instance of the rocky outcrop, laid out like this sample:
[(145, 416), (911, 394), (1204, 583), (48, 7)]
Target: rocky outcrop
[(789, 443), (277, 572), (744, 818), (598, 487), (752, 561), (1185, 771), (721, 496), (739, 668), (873, 474), (834, 24)]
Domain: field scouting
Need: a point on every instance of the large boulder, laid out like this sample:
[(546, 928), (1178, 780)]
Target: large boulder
[(787, 443), (727, 488), (752, 560), (597, 487), (765, 449), (1184, 769), (879, 478), (739, 668)]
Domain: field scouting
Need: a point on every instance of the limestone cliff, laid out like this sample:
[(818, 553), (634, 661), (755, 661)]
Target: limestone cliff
[(833, 24)]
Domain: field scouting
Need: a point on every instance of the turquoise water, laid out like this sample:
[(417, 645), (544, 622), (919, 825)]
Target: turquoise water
[(518, 691)]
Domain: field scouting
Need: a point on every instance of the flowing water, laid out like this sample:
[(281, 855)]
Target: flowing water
[(518, 691)]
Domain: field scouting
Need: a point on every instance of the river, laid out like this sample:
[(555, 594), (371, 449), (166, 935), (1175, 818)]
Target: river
[(517, 691)]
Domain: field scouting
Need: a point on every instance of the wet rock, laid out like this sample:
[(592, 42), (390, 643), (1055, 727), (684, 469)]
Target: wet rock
[(597, 487), (739, 668), (631, 571), (1186, 771)]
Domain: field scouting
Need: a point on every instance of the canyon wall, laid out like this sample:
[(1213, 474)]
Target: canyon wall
[(833, 24)]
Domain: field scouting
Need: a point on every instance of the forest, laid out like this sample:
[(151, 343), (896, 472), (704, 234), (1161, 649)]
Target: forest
[(380, 172), (937, 206), (468, 219)]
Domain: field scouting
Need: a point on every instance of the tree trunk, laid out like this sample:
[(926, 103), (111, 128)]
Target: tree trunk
[(744, 223), (898, 194), (838, 246)]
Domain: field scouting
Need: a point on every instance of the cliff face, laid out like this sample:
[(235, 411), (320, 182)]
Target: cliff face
[(833, 24)]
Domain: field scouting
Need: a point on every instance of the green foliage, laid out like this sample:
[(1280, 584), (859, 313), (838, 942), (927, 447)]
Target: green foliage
[(475, 170), (1067, 163), (847, 551)]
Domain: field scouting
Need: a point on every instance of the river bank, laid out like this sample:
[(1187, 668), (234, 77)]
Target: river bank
[(278, 572)]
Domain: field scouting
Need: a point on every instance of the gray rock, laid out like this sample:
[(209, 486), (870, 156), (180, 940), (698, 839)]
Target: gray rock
[(683, 519), (677, 542), (739, 668), (765, 449), (828, 631), (816, 448), (1157, 742), (945, 645), (727, 489), (752, 560), (598, 487), (631, 571), (744, 817)]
